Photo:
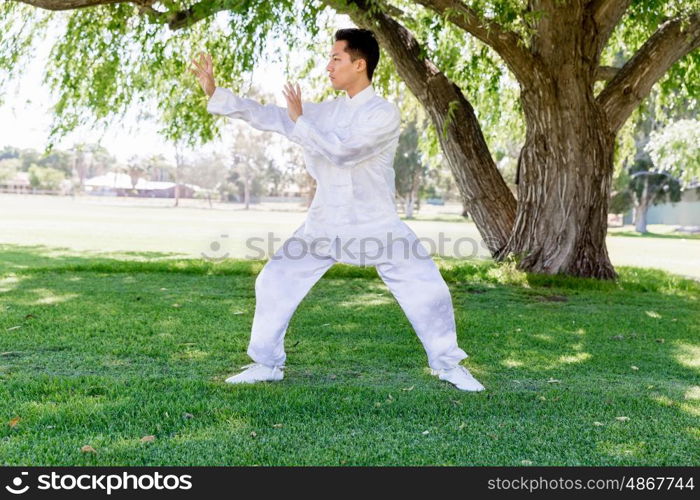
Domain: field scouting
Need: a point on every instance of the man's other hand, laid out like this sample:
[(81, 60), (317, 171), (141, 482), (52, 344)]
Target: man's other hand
[(203, 69), (293, 96)]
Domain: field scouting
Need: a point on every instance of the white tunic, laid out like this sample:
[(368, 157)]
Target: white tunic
[(349, 146)]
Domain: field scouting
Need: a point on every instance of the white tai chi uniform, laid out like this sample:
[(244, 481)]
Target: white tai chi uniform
[(349, 146)]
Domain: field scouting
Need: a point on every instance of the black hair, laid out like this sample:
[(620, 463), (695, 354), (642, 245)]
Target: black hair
[(361, 44)]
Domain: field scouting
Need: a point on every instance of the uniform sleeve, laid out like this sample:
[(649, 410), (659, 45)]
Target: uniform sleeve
[(268, 117), (366, 139)]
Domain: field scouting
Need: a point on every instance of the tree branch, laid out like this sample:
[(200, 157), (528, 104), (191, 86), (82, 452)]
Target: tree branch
[(673, 40), (507, 44), (604, 14), (197, 12), (606, 72), (174, 19), (68, 4)]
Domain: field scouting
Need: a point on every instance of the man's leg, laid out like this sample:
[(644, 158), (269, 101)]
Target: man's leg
[(416, 283), (279, 288)]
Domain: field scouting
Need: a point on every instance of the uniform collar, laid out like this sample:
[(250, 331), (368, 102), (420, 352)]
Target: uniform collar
[(361, 97)]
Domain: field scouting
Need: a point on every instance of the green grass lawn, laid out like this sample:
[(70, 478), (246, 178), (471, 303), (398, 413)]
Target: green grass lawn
[(103, 352)]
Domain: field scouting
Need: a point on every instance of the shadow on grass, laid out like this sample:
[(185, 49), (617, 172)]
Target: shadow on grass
[(33, 257), (437, 218), (38, 258)]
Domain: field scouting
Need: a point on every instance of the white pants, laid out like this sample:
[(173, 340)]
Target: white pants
[(412, 277)]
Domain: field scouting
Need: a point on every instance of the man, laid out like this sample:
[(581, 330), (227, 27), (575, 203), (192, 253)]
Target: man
[(349, 145)]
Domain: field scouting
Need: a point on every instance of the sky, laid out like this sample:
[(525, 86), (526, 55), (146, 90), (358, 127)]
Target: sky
[(25, 116)]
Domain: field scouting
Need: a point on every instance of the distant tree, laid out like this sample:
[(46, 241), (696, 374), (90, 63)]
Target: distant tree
[(45, 177), (90, 160), (58, 159), (158, 168), (136, 168), (250, 152), (274, 178), (650, 187), (409, 168), (248, 162), (9, 152), (9, 168), (29, 157), (180, 165), (662, 162), (208, 172), (676, 150), (295, 171)]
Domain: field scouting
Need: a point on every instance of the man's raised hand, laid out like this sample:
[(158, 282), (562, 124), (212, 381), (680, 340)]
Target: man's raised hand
[(293, 96), (203, 69)]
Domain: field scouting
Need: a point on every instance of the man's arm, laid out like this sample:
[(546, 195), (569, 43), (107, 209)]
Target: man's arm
[(268, 117), (223, 102), (366, 139)]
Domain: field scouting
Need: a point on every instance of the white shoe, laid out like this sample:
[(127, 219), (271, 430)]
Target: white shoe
[(460, 377), (257, 372)]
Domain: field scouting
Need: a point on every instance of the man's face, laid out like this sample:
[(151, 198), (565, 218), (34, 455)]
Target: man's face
[(342, 72)]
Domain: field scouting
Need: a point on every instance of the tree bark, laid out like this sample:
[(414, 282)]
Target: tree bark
[(566, 167)]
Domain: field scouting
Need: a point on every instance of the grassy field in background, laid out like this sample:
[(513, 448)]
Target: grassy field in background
[(128, 226), (104, 352)]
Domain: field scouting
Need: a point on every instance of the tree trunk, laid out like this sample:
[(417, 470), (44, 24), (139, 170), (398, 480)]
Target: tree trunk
[(409, 205), (482, 188), (246, 187), (641, 209), (566, 168), (177, 179), (640, 218)]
